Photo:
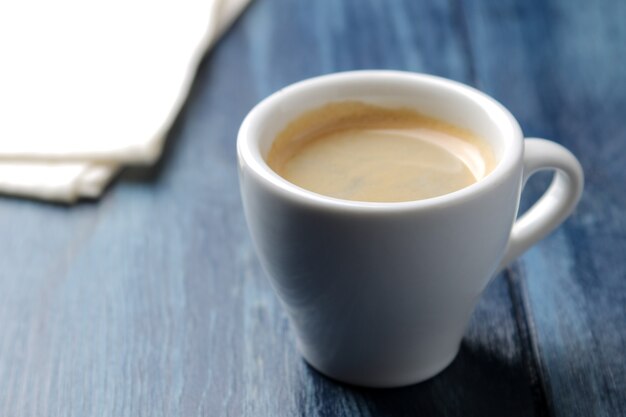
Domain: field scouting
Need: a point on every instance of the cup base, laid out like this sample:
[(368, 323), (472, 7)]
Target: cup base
[(388, 381)]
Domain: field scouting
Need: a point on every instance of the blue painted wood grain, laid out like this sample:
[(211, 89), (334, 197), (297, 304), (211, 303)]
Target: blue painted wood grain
[(563, 77), (151, 301)]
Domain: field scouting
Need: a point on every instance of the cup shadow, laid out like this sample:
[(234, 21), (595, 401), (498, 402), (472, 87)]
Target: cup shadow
[(477, 383)]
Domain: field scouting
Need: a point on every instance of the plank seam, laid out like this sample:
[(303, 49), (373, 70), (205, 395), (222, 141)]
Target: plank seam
[(528, 338)]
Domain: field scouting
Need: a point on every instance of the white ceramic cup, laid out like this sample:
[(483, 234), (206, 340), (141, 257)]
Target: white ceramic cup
[(379, 294)]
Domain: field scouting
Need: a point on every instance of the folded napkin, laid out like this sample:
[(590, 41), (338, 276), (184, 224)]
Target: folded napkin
[(89, 86)]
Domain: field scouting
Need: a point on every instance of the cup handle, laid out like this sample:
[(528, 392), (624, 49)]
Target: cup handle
[(555, 204)]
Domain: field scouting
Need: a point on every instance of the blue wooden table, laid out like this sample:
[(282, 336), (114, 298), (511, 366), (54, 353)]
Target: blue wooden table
[(151, 302)]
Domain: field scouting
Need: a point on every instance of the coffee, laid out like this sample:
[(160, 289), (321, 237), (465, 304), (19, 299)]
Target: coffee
[(357, 151)]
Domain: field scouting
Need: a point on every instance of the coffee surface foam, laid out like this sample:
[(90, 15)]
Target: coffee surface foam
[(356, 151)]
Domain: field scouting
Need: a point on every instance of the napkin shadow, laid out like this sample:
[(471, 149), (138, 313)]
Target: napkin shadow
[(477, 383)]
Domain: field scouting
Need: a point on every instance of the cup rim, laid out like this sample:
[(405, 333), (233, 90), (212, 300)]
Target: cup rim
[(250, 157)]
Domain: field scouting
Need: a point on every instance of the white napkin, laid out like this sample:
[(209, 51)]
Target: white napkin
[(89, 86)]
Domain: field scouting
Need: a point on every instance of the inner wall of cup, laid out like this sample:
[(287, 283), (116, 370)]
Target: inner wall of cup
[(454, 104)]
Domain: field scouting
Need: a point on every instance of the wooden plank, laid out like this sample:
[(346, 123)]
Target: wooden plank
[(557, 65)]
